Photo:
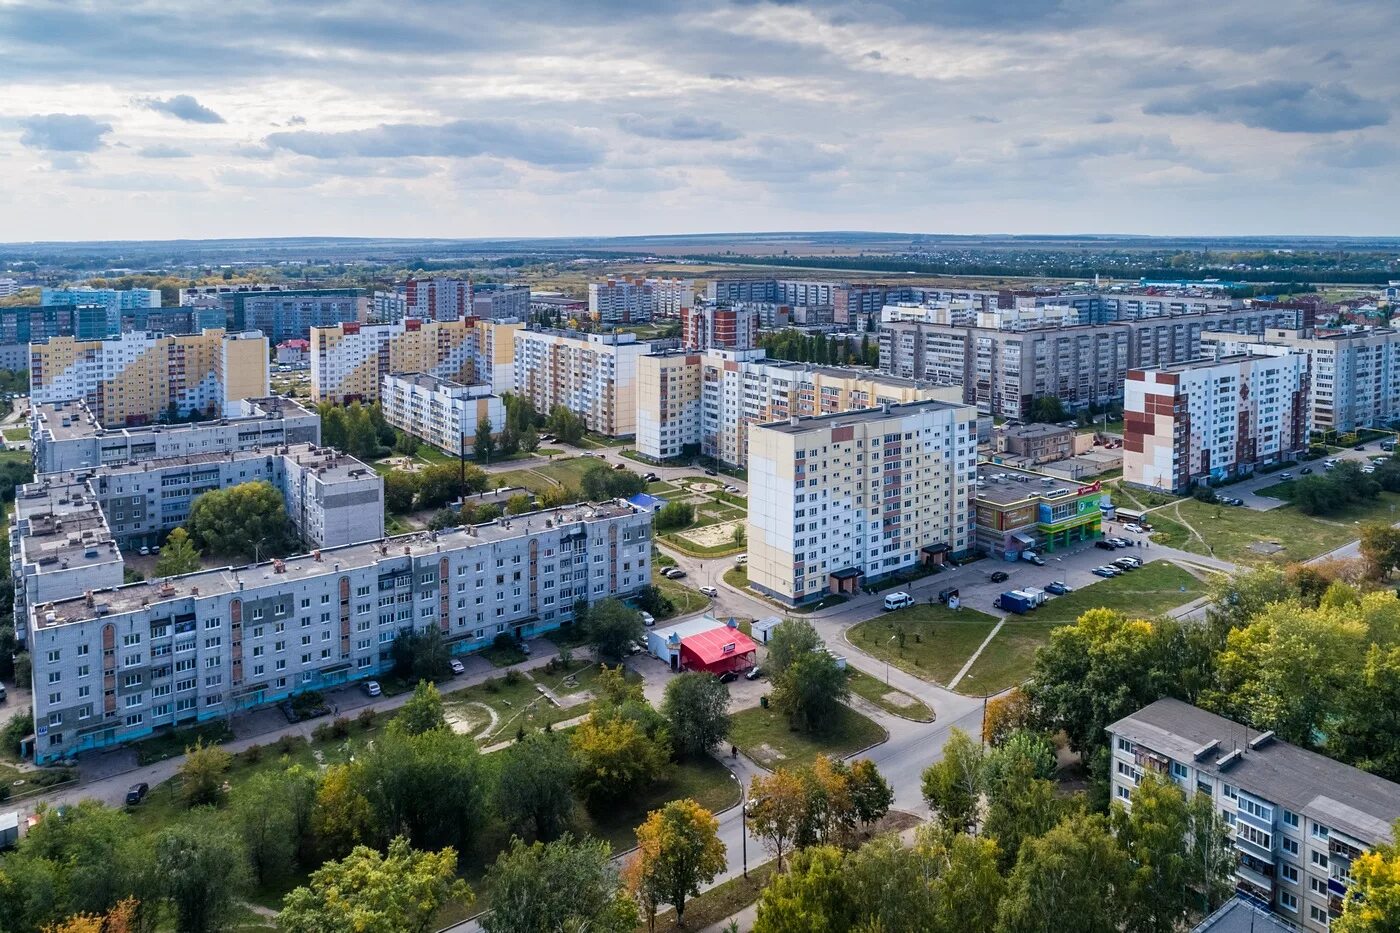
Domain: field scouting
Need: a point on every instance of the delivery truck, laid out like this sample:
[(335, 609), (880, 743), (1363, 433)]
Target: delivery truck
[(1014, 601)]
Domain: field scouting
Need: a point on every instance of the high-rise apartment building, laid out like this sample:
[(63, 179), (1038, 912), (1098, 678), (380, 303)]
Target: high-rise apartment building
[(290, 314), (350, 361), (501, 302), (66, 435), (1213, 419), (113, 301), (1355, 372), (141, 377), (592, 375), (25, 324), (1298, 820), (838, 500), (672, 296), (438, 299), (441, 412), (622, 301), (8, 287), (734, 327), (708, 401), (114, 663)]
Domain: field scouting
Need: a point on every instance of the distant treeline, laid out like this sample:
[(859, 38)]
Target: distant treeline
[(894, 264)]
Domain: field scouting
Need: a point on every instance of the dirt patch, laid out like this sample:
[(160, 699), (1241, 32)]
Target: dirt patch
[(704, 487), (1266, 547), (902, 700), (475, 719), (767, 754), (712, 535), (406, 464)]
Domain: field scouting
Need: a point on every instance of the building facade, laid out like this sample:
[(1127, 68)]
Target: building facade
[(1040, 443), (1297, 819), (713, 327), (437, 299), (349, 361), (709, 401), (113, 301), (673, 296), (143, 377), (114, 664), (837, 500), (622, 301), (66, 435), (1018, 510), (289, 315), (592, 375), (441, 412), (1213, 419), (501, 302)]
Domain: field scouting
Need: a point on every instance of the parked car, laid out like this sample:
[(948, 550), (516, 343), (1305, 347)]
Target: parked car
[(754, 673), (1232, 500), (1033, 558), (709, 591), (1127, 563), (1359, 447), (731, 488), (1135, 528), (728, 677), (1305, 471), (372, 688), (1103, 544), (1106, 571), (648, 619), (1368, 468), (457, 666), (742, 560), (1285, 475), (1387, 445), (711, 473), (3, 695), (1120, 542), (1058, 588), (898, 601), (633, 649), (137, 793), (676, 573), (145, 551), (652, 478), (1001, 576)]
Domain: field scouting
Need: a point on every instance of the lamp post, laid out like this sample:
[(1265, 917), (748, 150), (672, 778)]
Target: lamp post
[(887, 660), (743, 823)]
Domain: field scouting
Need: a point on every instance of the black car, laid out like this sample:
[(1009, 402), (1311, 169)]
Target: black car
[(137, 793), (711, 473), (1359, 447), (728, 677), (1001, 576), (1103, 544), (1305, 470)]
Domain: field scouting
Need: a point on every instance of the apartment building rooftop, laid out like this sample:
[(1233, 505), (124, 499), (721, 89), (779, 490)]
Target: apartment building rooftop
[(1004, 485), (71, 418), (799, 425), (227, 580), (436, 383), (1208, 362), (1347, 799), (1029, 431)]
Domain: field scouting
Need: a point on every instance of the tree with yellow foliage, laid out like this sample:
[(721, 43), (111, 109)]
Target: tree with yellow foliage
[(1373, 902), (678, 851)]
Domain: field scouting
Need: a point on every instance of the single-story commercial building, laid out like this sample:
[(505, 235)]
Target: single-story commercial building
[(1018, 510), (703, 644)]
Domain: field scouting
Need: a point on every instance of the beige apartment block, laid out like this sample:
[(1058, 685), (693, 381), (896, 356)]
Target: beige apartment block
[(592, 375)]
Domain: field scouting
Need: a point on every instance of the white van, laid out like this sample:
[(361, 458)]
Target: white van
[(898, 600)]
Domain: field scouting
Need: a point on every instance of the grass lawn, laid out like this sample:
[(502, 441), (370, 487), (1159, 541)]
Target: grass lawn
[(887, 698), (1008, 659), (521, 704), (1150, 590), (737, 576), (705, 779), (937, 640), (764, 736), (687, 600), (695, 550), (662, 489), (1281, 535), (16, 434), (721, 901), (546, 476)]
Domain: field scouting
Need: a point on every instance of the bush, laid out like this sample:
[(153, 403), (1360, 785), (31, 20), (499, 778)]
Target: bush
[(251, 755), (321, 733), (14, 732), (491, 685), (340, 728), (50, 777), (288, 744), (512, 677), (1204, 494), (366, 719)]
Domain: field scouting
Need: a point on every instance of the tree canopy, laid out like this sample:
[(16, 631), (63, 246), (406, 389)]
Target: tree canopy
[(248, 520)]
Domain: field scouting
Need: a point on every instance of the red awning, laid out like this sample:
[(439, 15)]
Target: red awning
[(717, 645)]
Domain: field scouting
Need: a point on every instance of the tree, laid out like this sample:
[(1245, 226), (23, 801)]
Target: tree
[(967, 886), (1380, 546), (1047, 409), (249, 519), (400, 891), (399, 490), (178, 556), (438, 485), (519, 504), (422, 712), (427, 787), (565, 425), (534, 790), (678, 852), (813, 895), (696, 706), (123, 918), (202, 774), (484, 445), (422, 654), (674, 515), (650, 599), (871, 795), (563, 885), (1367, 731), (341, 817), (1372, 903), (529, 440), (952, 785), (810, 689), (1076, 870), (1005, 714), (201, 869), (1020, 804), (271, 813), (776, 810), (789, 640), (612, 628), (616, 758)]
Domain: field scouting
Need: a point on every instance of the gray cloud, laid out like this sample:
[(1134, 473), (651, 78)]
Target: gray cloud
[(63, 132), (984, 118), (553, 147), (1282, 106), (161, 151), (181, 107), (677, 128)]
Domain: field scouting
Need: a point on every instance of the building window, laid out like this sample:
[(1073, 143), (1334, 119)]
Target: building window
[(1288, 902), (1288, 873)]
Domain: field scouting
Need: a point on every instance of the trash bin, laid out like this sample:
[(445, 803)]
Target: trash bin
[(763, 701)]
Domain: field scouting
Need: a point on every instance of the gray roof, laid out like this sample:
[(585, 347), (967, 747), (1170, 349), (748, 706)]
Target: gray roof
[(1239, 916), (805, 423), (1344, 798)]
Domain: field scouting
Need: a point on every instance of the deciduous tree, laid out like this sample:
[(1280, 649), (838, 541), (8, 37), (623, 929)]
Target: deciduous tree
[(202, 870), (568, 884), (678, 852), (777, 808), (616, 758), (810, 689), (612, 627), (953, 784), (202, 774), (271, 812), (1372, 903), (422, 712), (249, 519), (696, 706), (341, 817), (789, 640), (178, 556), (1076, 870), (535, 787)]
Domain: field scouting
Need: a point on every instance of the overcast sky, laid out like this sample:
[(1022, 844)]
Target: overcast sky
[(210, 118)]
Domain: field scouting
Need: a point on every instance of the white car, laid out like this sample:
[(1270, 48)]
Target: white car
[(457, 666), (733, 489), (372, 688), (145, 551), (742, 560), (648, 619), (1135, 528), (709, 591)]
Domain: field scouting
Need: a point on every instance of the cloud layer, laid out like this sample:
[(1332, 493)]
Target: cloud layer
[(548, 117)]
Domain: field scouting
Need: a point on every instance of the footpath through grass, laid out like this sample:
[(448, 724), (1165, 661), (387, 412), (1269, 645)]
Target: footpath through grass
[(1283, 535), (888, 698), (764, 736), (1009, 659), (937, 641)]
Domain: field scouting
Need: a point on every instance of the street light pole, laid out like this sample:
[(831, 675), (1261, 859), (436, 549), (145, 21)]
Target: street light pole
[(887, 660), (743, 823)]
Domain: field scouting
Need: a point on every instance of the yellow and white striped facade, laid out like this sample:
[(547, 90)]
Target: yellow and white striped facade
[(138, 377)]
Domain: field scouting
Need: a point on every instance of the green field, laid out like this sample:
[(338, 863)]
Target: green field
[(765, 737), (937, 640), (1009, 659), (686, 600), (1150, 590), (16, 434), (1281, 535), (546, 476), (891, 700)]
